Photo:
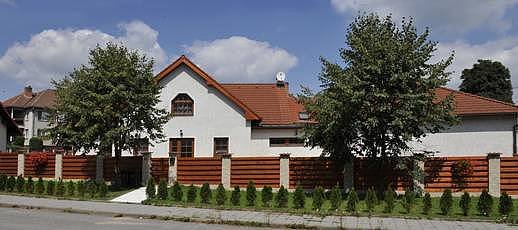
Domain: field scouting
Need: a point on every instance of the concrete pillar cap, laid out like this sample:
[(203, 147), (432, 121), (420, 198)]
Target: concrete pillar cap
[(285, 155), (494, 155)]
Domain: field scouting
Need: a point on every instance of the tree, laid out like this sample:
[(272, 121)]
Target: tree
[(35, 144), (488, 79), (108, 103), (383, 97)]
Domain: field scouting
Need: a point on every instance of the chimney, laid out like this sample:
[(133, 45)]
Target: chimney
[(27, 91), (281, 80)]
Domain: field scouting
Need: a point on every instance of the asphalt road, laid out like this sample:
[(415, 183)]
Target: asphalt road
[(32, 219)]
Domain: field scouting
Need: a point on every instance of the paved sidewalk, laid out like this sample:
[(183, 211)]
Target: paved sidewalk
[(136, 196), (274, 219)]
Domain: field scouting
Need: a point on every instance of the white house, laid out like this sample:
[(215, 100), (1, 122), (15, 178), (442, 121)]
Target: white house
[(8, 128), (258, 119)]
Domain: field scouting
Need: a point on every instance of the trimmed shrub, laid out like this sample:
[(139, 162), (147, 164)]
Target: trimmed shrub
[(60, 188), (427, 203), (39, 188), (81, 188), (3, 182), (103, 190), (251, 193), (11, 183), (389, 198), (205, 193), (221, 195), (20, 184), (91, 188), (352, 201), (335, 197), (465, 203), (371, 200), (162, 190), (409, 201), (176, 192), (71, 188), (266, 196), (29, 186), (235, 197), (505, 205), (51, 187), (485, 203), (282, 197), (35, 144), (150, 188), (446, 202), (299, 197), (191, 194), (318, 198)]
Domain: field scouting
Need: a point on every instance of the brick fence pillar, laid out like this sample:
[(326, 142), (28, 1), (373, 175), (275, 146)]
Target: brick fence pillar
[(349, 174), (173, 168), (146, 167), (494, 173), (284, 171), (99, 168), (21, 163), (226, 164), (58, 166)]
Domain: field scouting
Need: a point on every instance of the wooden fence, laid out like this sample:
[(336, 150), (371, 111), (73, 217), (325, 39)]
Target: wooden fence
[(314, 171), (160, 168), (47, 171), (264, 171), (79, 167), (380, 174), (199, 170), (9, 163), (439, 174), (509, 175)]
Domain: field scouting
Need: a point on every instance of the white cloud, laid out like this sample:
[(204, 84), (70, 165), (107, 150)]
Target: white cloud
[(457, 16), (239, 59), (53, 53)]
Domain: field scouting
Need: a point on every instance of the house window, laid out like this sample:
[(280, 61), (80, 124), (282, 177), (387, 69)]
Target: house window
[(141, 146), (182, 105), (182, 147), (286, 142), (220, 145), (43, 116)]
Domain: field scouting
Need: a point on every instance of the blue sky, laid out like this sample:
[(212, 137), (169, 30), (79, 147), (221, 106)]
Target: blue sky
[(235, 41)]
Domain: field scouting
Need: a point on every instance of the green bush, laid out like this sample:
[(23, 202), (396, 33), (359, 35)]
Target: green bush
[(103, 190), (176, 192), (485, 203), (81, 188), (282, 198), (318, 198), (371, 200), (205, 193), (20, 184), (505, 206), (71, 188), (191, 194), (60, 188), (427, 203), (266, 196), (162, 190), (51, 187), (91, 188), (3, 182), (465, 203), (35, 144), (39, 188), (409, 201), (235, 197), (221, 195), (335, 197), (352, 201), (446, 202), (150, 188), (29, 186), (11, 183), (299, 197), (389, 198), (251, 193)]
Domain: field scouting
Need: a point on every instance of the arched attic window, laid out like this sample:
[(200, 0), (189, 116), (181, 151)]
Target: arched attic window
[(182, 105)]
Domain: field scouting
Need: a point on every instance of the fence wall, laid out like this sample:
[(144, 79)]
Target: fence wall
[(47, 172), (314, 171), (264, 171), (380, 174), (79, 167), (199, 170), (509, 175), (160, 168), (9, 163), (439, 174)]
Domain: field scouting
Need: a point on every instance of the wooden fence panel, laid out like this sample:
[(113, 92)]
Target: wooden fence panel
[(264, 171), (160, 168), (47, 172), (9, 164), (314, 171), (374, 173), (509, 175), (79, 167), (438, 171), (199, 170)]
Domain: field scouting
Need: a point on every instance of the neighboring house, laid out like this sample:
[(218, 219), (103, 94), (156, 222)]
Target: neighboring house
[(30, 111), (8, 128)]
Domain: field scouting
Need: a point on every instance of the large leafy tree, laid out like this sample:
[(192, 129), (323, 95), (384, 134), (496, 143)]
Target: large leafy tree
[(383, 96), (110, 103), (489, 79)]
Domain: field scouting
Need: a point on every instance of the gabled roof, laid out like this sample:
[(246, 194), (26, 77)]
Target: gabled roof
[(470, 104), (12, 128), (249, 113), (43, 99)]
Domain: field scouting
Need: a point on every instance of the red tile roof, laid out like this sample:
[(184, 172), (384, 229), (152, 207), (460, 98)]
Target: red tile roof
[(43, 99), (469, 104)]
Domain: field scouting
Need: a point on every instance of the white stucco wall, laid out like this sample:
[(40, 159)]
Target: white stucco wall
[(3, 136), (261, 143), (474, 136)]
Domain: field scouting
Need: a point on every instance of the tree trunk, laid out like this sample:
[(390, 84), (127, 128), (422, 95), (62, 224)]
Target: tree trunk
[(117, 177)]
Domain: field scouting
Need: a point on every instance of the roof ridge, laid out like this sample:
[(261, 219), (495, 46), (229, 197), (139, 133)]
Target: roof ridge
[(480, 97)]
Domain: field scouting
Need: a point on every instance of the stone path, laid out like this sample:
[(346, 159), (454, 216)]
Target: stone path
[(274, 219)]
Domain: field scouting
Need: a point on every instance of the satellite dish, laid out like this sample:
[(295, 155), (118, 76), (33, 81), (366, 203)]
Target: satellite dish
[(280, 76)]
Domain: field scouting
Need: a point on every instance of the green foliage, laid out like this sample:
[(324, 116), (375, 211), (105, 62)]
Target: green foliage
[(282, 197), (266, 196), (488, 79), (71, 188), (221, 195), (191, 194), (235, 197), (29, 186), (371, 200), (162, 190), (465, 203), (103, 190), (150, 188), (91, 188), (11, 183), (381, 98), (81, 188), (505, 205), (51, 188), (446, 202), (389, 198), (39, 188), (427, 203), (251, 193), (409, 201), (318, 197), (352, 201), (20, 184), (3, 182), (176, 192), (299, 197), (335, 197), (485, 203), (17, 143), (205, 193), (35, 144), (60, 188)]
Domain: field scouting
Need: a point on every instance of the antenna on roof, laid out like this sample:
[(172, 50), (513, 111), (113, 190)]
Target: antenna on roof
[(280, 76)]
